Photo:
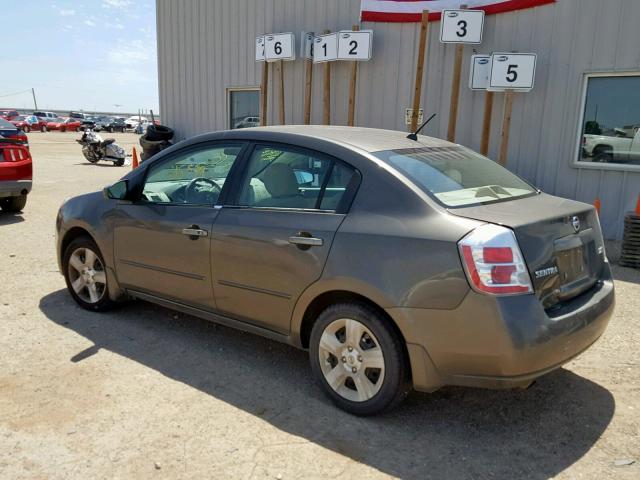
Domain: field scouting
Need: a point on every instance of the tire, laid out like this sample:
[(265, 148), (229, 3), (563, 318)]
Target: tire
[(376, 339), (26, 129), (86, 275), (603, 155), (43, 128), (159, 132), (119, 163), (13, 204), (78, 129), (62, 130)]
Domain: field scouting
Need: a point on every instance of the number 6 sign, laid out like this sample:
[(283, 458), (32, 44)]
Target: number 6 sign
[(279, 46), (461, 26), (512, 71)]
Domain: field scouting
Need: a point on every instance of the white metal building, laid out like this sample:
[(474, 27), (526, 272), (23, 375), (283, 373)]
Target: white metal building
[(587, 85)]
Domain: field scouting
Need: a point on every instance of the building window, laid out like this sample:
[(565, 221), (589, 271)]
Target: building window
[(610, 129), (244, 108)]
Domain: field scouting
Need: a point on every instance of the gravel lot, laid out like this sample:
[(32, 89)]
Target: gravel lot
[(143, 392)]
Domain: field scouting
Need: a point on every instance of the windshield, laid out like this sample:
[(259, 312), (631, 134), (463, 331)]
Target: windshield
[(19, 118), (457, 176)]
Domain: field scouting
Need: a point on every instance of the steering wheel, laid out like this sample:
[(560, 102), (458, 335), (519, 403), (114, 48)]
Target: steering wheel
[(193, 188)]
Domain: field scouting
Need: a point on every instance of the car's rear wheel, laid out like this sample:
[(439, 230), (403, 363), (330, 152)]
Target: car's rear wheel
[(62, 129), (85, 274), (358, 359), (13, 204), (43, 128), (26, 129), (78, 129)]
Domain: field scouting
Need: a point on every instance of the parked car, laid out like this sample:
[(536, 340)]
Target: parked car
[(15, 175), (89, 121), (9, 114), (110, 124), (78, 115), (248, 122), (27, 123), (46, 116), (402, 262), (13, 134), (133, 121), (65, 125), (622, 146)]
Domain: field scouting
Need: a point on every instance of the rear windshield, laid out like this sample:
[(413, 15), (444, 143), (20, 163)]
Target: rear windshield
[(6, 124), (457, 176)]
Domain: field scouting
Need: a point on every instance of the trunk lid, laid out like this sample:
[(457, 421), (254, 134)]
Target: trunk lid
[(565, 257)]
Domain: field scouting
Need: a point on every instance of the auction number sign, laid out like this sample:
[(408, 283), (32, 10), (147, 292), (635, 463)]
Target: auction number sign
[(479, 72), (306, 45), (461, 26), (279, 46), (260, 48), (325, 48), (354, 45), (512, 71)]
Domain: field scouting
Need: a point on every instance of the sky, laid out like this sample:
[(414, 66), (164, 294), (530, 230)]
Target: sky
[(79, 55)]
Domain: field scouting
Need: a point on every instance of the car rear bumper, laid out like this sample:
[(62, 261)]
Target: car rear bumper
[(498, 342), (14, 188)]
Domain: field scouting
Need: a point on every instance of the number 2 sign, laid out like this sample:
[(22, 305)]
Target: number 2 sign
[(512, 71), (354, 45), (461, 26)]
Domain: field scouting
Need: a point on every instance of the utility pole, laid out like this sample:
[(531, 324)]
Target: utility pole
[(33, 92)]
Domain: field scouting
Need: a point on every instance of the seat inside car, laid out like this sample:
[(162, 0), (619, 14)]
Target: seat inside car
[(280, 181)]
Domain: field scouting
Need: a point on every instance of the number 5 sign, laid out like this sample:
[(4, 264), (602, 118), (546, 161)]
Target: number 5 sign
[(461, 26), (512, 71)]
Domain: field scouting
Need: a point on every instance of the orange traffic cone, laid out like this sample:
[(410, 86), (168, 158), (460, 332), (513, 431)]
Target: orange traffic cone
[(638, 206), (596, 204), (134, 161)]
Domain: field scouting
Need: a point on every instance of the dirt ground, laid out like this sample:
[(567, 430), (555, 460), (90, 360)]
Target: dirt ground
[(143, 392)]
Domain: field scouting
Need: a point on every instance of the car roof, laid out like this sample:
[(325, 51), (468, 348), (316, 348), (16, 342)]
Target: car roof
[(367, 139)]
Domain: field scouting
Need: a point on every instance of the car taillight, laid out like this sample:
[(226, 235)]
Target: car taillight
[(19, 137), (15, 153), (493, 262)]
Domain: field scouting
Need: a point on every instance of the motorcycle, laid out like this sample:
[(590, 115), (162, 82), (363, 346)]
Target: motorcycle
[(94, 148)]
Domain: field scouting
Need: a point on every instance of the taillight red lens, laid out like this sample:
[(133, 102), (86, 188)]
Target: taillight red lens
[(493, 261), (15, 153)]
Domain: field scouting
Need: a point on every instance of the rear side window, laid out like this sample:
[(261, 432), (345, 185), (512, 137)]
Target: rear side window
[(457, 176), (279, 177)]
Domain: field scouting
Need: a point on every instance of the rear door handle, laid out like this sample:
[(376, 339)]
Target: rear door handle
[(194, 232), (306, 241)]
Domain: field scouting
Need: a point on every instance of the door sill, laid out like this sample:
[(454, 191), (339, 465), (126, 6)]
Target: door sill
[(212, 317)]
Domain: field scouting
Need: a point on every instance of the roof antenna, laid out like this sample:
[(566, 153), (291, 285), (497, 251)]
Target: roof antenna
[(414, 135)]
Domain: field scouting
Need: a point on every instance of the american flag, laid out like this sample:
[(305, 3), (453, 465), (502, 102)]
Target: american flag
[(411, 10)]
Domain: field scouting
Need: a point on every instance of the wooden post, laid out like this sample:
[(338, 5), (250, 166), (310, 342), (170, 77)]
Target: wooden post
[(455, 90), (424, 27), (264, 91), (352, 87), (326, 94), (307, 90), (506, 125), (486, 123), (281, 73)]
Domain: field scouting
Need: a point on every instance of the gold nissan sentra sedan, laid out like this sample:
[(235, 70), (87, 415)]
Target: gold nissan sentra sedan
[(397, 262)]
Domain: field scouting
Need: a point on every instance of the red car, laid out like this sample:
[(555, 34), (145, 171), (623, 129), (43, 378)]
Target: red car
[(16, 175), (8, 114), (27, 123), (64, 125)]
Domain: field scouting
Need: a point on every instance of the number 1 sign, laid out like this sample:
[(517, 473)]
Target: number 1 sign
[(512, 71), (325, 48)]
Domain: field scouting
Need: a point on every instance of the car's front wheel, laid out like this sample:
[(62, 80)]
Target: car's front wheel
[(85, 274), (13, 204), (358, 359)]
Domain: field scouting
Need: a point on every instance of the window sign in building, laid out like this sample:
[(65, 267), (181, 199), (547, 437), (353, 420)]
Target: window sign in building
[(244, 108), (610, 130)]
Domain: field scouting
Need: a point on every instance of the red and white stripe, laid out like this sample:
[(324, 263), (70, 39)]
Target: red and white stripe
[(411, 10)]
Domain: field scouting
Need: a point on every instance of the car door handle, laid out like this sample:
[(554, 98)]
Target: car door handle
[(306, 241), (194, 232)]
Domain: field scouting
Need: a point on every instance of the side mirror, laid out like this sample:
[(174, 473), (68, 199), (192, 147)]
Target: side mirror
[(117, 191)]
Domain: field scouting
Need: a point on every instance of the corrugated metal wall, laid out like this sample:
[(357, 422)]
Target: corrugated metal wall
[(207, 46)]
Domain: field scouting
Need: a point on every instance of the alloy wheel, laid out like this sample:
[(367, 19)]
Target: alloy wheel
[(87, 276), (351, 360)]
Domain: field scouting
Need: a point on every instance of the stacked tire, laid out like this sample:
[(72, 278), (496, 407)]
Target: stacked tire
[(156, 139)]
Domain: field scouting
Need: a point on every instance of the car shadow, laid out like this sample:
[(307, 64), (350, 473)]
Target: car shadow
[(10, 218), (99, 164), (626, 274), (453, 433)]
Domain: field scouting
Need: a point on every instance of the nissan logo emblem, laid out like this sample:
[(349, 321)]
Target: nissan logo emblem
[(575, 221)]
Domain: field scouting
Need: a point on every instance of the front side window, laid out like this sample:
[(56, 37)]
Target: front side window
[(279, 177), (611, 121), (193, 178), (244, 108), (457, 176)]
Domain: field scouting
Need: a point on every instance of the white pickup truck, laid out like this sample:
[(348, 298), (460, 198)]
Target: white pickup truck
[(622, 147)]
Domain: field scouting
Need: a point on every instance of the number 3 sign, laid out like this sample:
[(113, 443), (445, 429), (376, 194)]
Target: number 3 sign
[(512, 71), (461, 26)]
